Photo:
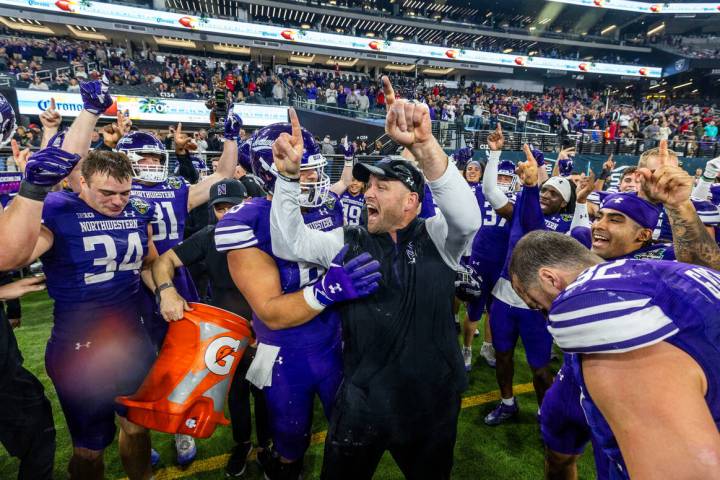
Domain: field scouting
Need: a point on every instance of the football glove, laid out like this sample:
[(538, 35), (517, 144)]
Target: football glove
[(233, 124), (345, 281), (95, 96)]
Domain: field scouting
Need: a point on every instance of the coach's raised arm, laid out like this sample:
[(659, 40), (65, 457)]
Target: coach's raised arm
[(390, 205), (402, 366)]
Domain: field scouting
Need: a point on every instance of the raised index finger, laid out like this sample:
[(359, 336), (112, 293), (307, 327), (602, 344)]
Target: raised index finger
[(15, 148), (663, 152), (296, 129), (52, 105), (388, 91)]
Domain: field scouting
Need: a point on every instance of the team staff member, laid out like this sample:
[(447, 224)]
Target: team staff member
[(200, 247), (403, 370)]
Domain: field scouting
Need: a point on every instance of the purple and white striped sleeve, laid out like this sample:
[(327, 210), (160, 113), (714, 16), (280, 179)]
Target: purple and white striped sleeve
[(608, 322)]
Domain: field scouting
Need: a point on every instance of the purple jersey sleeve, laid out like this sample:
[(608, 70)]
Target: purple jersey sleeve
[(427, 208), (708, 213), (610, 308), (240, 227)]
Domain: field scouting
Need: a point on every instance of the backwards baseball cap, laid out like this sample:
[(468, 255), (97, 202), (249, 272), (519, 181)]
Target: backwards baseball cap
[(393, 168), (227, 191), (629, 204), (562, 185)]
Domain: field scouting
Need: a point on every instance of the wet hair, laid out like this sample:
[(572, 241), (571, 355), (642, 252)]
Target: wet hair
[(628, 171), (543, 248), (642, 162), (114, 164)]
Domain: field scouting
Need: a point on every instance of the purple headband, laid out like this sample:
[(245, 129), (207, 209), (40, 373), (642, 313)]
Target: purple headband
[(643, 212)]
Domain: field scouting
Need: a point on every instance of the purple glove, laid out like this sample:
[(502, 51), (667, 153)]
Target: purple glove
[(95, 96), (539, 156), (565, 167), (233, 124), (347, 281), (49, 166), (348, 150)]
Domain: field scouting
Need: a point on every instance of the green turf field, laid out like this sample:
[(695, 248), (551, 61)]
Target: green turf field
[(512, 451)]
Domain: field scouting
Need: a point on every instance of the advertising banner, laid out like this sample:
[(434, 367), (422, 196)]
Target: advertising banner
[(122, 13), (644, 7), (150, 109)]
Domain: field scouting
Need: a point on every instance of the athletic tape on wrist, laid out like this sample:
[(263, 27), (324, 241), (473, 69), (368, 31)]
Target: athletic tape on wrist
[(33, 192)]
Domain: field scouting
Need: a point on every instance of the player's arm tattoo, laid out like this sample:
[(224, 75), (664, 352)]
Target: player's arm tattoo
[(693, 244)]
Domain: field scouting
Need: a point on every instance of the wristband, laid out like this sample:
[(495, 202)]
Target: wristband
[(33, 192), (161, 287), (604, 174), (288, 179), (349, 162), (309, 295)]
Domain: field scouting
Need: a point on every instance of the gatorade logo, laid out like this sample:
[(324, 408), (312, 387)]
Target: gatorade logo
[(219, 355)]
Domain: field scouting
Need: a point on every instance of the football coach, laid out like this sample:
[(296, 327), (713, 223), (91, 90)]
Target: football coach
[(403, 370)]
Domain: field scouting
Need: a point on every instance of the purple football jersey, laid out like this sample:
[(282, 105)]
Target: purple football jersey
[(491, 241), (95, 260), (708, 213), (171, 209), (626, 305), (352, 206), (248, 225)]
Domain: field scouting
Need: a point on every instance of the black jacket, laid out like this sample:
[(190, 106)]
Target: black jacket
[(401, 353)]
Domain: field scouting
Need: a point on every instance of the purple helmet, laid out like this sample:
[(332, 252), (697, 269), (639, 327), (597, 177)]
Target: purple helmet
[(506, 168), (138, 144), (312, 194), (462, 156), (8, 123)]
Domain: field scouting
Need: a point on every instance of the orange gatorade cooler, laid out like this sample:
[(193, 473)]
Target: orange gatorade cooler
[(186, 388)]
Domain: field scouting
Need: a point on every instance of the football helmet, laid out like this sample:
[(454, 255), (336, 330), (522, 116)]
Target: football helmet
[(312, 194), (462, 156), (134, 145), (8, 122), (506, 168)]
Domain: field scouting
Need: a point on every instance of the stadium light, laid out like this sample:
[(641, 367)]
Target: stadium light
[(80, 32), (174, 42), (608, 29), (33, 26), (438, 71), (228, 48), (507, 50), (399, 67), (656, 29), (682, 85)]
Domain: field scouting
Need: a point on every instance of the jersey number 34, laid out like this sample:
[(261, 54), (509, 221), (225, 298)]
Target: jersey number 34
[(132, 259)]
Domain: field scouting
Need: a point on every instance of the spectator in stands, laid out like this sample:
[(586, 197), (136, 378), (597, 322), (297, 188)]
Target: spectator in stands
[(312, 94), (73, 86), (711, 130), (326, 147), (363, 103), (278, 92), (331, 95), (38, 84)]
